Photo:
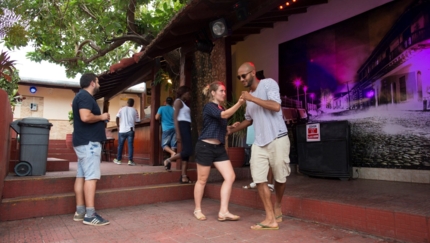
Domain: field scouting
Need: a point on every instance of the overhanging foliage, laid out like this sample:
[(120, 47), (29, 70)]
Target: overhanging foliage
[(86, 35)]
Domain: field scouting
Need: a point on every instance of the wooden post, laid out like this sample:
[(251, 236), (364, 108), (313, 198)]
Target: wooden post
[(142, 106), (154, 124), (105, 108)]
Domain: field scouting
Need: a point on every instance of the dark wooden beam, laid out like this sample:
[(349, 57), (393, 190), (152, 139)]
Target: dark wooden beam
[(283, 12), (303, 4), (257, 25), (246, 31), (264, 7), (144, 70), (235, 39), (176, 41), (272, 19)]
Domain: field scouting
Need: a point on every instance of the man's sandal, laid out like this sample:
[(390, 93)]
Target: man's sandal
[(251, 185)]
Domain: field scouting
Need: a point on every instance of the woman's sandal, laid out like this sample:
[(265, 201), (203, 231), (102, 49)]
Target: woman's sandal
[(188, 181), (201, 218), (278, 218), (167, 164), (224, 217)]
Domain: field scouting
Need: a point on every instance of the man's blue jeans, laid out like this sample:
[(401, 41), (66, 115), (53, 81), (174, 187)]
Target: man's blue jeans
[(129, 136)]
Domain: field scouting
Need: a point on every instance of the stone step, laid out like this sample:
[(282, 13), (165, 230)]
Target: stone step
[(46, 185), (60, 150), (55, 204), (52, 164), (70, 156), (387, 222)]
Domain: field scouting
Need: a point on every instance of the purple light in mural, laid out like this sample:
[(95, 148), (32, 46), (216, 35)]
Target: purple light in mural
[(370, 94)]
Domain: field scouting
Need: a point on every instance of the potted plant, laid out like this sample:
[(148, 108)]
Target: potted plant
[(236, 141), (69, 136)]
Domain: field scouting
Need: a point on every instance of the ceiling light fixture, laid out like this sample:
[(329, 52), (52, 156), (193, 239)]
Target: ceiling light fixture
[(218, 28)]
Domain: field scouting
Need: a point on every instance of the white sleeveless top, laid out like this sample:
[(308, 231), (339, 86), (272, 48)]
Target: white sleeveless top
[(184, 113)]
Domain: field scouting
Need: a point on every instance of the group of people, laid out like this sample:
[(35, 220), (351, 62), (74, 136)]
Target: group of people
[(270, 150)]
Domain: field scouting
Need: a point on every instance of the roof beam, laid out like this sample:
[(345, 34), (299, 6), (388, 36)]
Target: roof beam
[(283, 12), (143, 68), (258, 25)]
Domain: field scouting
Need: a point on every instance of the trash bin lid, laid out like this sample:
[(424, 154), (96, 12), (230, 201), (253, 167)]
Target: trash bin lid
[(34, 120), (38, 121)]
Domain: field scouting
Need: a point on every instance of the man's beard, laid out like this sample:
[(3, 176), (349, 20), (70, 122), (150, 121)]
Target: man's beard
[(96, 90), (249, 83)]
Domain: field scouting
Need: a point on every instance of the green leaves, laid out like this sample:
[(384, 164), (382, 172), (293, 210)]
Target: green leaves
[(9, 77), (7, 67), (58, 28)]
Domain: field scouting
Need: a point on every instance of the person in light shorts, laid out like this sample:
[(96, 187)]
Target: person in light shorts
[(88, 133), (271, 145)]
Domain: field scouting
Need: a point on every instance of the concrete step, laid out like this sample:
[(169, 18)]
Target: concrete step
[(385, 222), (44, 185), (59, 145), (52, 164), (70, 156), (57, 141), (60, 150), (55, 204)]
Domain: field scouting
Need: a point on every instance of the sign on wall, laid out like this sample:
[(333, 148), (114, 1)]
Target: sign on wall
[(313, 132)]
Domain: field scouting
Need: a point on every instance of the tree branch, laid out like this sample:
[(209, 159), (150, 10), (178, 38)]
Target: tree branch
[(81, 57), (84, 8), (131, 9), (143, 40)]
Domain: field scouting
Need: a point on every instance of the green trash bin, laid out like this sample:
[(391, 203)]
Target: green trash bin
[(33, 145)]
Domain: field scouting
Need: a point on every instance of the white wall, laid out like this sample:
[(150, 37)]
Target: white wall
[(262, 49)]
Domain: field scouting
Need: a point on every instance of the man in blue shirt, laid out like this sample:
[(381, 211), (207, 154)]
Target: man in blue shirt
[(165, 115)]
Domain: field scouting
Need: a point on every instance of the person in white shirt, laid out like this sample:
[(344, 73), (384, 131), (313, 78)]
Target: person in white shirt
[(126, 118), (271, 146)]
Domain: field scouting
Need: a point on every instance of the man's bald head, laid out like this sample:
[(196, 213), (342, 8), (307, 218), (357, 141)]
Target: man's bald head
[(247, 67)]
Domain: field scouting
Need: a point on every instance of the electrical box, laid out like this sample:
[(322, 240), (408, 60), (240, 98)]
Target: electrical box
[(33, 106)]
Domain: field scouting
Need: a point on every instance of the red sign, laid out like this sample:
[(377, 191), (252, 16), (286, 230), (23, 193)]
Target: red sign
[(313, 132)]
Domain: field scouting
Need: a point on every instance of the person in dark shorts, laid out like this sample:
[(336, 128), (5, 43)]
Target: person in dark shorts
[(182, 120), (210, 150)]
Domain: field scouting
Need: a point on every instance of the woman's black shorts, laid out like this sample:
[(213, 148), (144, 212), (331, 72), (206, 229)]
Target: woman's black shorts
[(207, 153)]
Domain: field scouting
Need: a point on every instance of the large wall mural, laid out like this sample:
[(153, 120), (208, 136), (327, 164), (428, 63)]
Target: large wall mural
[(374, 71)]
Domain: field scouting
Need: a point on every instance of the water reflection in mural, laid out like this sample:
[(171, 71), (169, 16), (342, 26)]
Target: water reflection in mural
[(373, 70)]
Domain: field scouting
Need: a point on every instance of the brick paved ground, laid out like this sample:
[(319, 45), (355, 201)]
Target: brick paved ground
[(173, 222)]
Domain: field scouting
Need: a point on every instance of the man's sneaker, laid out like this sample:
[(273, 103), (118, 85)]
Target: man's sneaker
[(78, 217), (95, 220), (118, 162), (131, 163), (271, 187)]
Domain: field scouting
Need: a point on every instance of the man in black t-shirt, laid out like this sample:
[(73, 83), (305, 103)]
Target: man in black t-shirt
[(88, 133)]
